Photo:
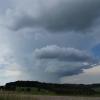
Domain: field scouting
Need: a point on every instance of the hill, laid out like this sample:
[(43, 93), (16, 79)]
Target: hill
[(35, 87)]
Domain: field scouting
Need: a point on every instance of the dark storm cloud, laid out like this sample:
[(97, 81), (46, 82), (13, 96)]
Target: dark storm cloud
[(63, 54), (76, 71), (57, 62), (64, 15)]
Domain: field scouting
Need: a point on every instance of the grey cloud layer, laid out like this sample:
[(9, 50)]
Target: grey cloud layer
[(56, 15), (64, 54)]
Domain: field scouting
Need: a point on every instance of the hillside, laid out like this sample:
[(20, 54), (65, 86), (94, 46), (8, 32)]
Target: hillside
[(34, 87)]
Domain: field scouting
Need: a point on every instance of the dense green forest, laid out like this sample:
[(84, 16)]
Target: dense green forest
[(35, 87)]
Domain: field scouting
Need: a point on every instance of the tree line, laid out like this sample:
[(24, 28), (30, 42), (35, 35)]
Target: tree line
[(63, 89)]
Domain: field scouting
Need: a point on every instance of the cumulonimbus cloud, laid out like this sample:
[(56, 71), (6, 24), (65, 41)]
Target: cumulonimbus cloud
[(58, 15), (63, 54), (57, 62)]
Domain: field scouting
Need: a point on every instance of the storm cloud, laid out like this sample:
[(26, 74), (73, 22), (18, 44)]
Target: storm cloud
[(63, 54), (55, 16), (57, 62), (27, 41)]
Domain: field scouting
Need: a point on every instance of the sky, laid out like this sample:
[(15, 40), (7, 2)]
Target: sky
[(54, 41)]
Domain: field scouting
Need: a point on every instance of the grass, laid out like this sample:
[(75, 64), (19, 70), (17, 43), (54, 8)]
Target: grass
[(34, 91), (19, 96), (15, 96), (42, 95), (29, 97)]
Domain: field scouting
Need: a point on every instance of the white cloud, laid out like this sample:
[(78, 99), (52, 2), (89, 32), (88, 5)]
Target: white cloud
[(10, 72)]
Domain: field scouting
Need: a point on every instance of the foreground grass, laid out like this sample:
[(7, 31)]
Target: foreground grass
[(16, 97), (30, 97), (19, 96)]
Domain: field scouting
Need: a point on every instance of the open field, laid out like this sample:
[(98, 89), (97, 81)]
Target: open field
[(38, 97)]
